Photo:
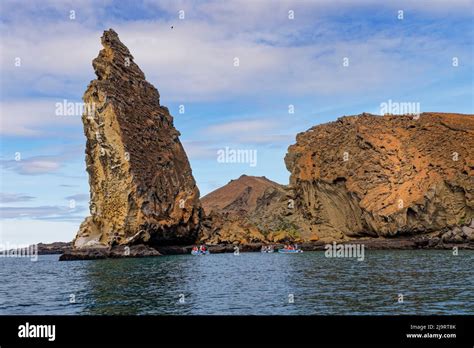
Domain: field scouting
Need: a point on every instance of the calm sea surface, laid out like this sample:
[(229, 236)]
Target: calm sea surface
[(431, 282)]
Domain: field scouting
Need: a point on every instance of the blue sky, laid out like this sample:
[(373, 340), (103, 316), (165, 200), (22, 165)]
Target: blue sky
[(282, 62)]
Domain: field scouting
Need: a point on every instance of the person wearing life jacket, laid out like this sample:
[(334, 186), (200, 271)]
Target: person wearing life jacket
[(195, 248), (203, 248)]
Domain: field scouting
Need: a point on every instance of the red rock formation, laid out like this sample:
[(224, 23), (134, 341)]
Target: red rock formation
[(142, 188), (384, 176)]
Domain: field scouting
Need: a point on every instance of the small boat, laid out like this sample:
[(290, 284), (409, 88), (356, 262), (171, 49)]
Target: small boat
[(290, 251), (199, 252), (266, 249)]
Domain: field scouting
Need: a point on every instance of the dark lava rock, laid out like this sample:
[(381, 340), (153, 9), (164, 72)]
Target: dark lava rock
[(120, 251)]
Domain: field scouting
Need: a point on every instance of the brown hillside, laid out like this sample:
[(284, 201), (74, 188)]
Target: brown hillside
[(238, 196)]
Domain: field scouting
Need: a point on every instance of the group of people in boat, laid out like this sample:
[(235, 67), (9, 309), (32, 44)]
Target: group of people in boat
[(201, 248), (267, 248)]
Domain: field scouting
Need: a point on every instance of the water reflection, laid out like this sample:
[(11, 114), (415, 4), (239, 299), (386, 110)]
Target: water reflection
[(431, 282), (134, 286)]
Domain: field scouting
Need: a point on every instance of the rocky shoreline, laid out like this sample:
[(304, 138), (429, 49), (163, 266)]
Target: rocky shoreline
[(54, 248), (461, 237), (409, 243)]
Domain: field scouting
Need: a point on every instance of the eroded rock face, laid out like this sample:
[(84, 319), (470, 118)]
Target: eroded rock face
[(142, 188), (384, 176)]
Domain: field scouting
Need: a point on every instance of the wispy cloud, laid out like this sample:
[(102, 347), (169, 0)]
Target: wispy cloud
[(266, 139), (14, 197), (200, 150), (60, 213), (80, 197), (42, 164), (262, 131), (277, 57), (33, 166), (234, 127)]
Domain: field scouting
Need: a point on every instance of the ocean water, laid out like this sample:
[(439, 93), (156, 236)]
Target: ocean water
[(430, 281)]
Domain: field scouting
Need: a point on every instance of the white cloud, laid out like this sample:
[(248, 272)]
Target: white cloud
[(194, 61)]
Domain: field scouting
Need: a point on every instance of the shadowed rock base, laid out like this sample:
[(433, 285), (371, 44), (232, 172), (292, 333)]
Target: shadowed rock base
[(113, 253)]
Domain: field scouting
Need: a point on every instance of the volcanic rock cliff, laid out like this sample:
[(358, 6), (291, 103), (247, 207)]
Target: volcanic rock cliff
[(385, 176), (141, 184)]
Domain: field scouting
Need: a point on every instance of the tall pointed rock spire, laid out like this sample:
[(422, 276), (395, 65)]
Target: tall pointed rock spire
[(141, 184)]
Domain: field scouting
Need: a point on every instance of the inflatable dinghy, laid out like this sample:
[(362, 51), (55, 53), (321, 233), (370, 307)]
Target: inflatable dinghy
[(290, 251)]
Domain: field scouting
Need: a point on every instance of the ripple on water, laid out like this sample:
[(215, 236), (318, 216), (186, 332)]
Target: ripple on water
[(431, 282)]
